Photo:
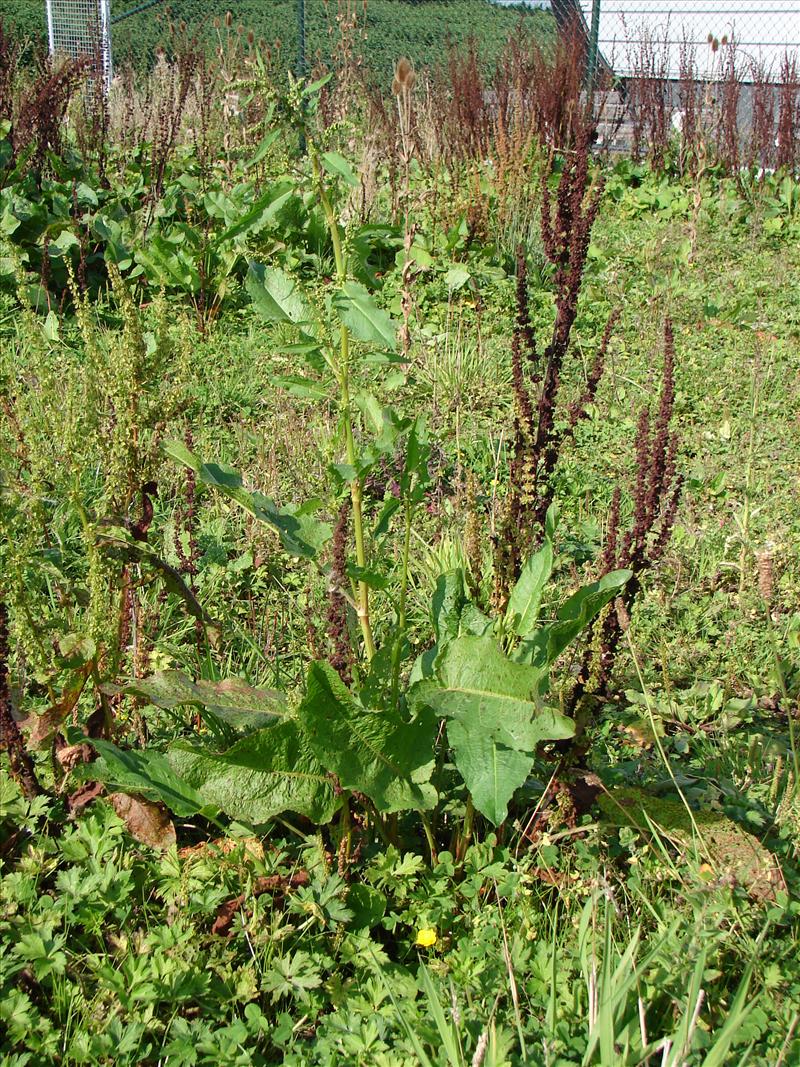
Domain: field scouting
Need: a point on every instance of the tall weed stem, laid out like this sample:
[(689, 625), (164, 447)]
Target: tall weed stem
[(342, 371)]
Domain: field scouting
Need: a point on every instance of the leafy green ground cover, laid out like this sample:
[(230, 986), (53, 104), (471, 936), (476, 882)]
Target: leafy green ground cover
[(422, 923)]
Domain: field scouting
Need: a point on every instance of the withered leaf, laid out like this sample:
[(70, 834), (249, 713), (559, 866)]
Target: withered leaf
[(42, 727), (148, 822), (84, 796)]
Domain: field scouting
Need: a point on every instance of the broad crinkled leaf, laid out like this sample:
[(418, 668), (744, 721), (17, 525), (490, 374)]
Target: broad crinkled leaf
[(452, 611), (495, 721), (336, 164), (301, 534), (494, 759), (449, 599), (526, 596), (260, 213), (373, 752), (473, 674), (361, 315), (266, 773), (276, 296), (172, 689)]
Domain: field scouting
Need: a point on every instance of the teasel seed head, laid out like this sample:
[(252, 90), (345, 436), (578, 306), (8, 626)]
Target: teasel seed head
[(405, 77)]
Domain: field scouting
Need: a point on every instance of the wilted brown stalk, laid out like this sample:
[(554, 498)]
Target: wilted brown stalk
[(19, 761), (38, 117), (170, 107), (762, 132), (730, 91), (655, 498), (650, 98), (402, 87), (10, 52), (788, 131), (543, 422)]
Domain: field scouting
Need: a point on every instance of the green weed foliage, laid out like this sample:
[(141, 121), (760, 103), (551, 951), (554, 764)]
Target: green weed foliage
[(294, 771)]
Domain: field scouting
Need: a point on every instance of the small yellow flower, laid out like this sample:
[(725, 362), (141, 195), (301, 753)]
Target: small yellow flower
[(706, 872), (426, 937)]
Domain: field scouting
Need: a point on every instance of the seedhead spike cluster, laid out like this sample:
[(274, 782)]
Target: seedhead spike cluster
[(19, 761), (656, 495), (539, 431)]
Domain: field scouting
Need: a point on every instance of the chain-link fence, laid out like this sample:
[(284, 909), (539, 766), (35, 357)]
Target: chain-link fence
[(700, 35), (373, 34), (634, 37), (81, 28)]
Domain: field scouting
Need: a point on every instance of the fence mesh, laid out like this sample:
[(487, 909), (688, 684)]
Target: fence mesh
[(700, 31), (81, 28), (377, 32), (760, 31)]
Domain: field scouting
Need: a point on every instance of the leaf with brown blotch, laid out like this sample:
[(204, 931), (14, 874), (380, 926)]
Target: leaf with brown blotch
[(71, 756), (84, 796), (42, 727), (147, 822)]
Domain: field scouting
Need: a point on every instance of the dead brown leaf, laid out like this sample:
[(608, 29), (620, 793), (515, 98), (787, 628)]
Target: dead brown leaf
[(70, 756), (83, 796), (42, 727), (253, 849), (148, 822)]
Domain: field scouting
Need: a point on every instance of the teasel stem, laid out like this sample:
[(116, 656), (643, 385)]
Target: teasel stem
[(342, 371), (466, 834), (426, 826), (401, 612)]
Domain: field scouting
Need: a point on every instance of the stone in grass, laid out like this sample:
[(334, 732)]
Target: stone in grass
[(732, 854)]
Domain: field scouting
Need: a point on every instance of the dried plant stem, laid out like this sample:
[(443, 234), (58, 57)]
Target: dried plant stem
[(342, 371), (662, 753), (19, 761)]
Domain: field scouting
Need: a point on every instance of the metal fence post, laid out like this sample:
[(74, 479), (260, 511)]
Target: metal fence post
[(301, 64), (50, 34), (594, 34), (301, 39), (105, 38), (79, 28)]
